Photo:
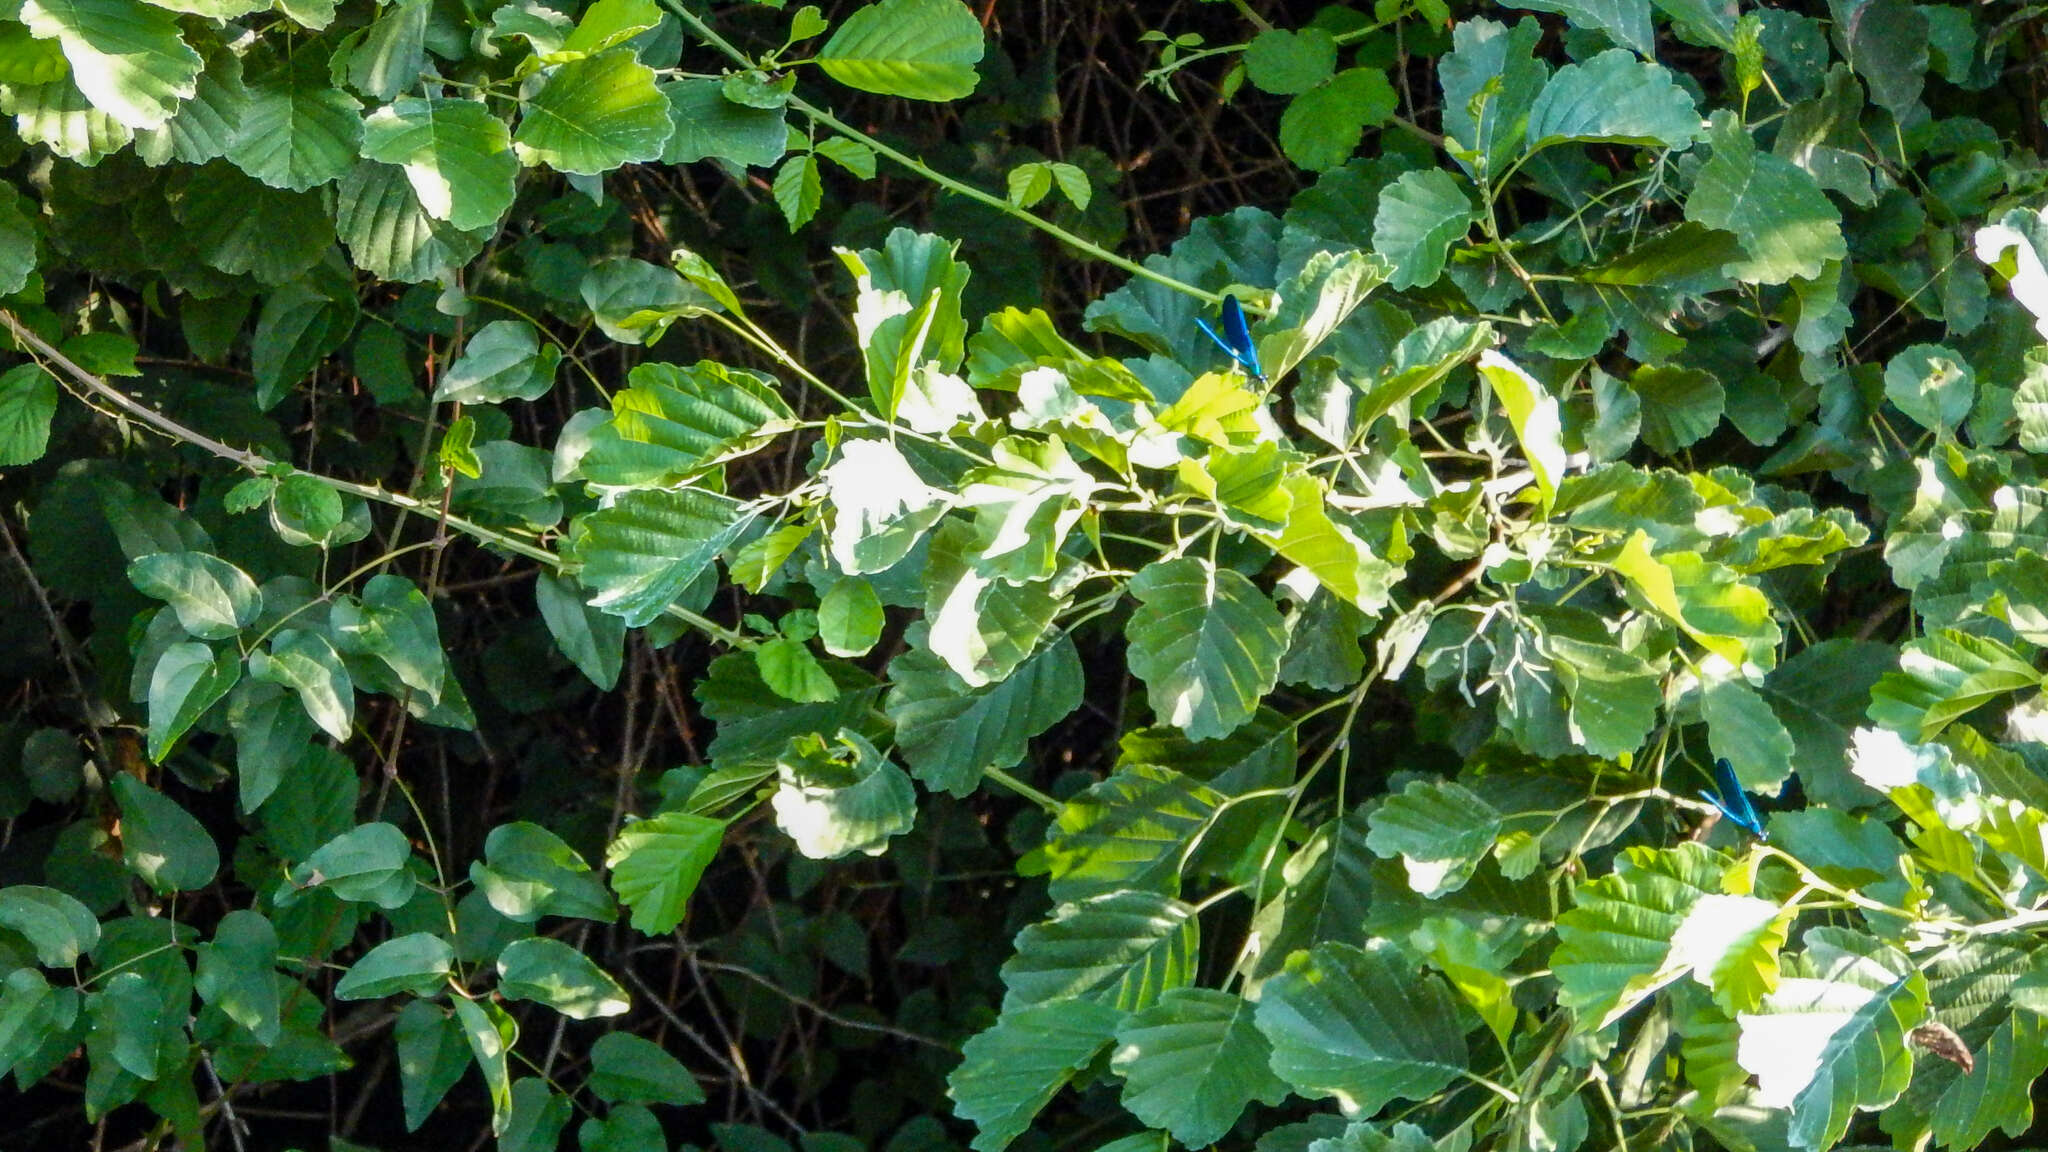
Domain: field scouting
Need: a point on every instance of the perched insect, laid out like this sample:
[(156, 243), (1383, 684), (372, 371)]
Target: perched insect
[(1236, 338), (1733, 802)]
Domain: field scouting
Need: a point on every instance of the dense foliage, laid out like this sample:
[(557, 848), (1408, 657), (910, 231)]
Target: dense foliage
[(574, 576)]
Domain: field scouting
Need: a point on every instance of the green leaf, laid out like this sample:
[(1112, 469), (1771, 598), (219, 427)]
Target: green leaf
[(28, 400), (1730, 944), (1489, 82), (850, 618), (129, 1025), (392, 53), (127, 59), (1614, 98), (271, 732), (547, 971), (1831, 1041), (1009, 1071), (840, 797), (432, 1056), (1932, 385), (297, 137), (624, 1128), (418, 963), (189, 678), (656, 863), (1192, 1062), (1742, 729), (394, 623), (640, 552), (1626, 22), (504, 360), (1885, 41), (1124, 949), (303, 661), (756, 724), (457, 156), (367, 863), (788, 668), (950, 733), (626, 1069), (1133, 831), (981, 626), (881, 508), (917, 49), (1440, 830), (1323, 126), (709, 126), (389, 232), (1783, 219), (300, 323), (1533, 413), (1615, 695), (1287, 62), (634, 302), (1968, 994), (592, 640), (1329, 900), (56, 925), (673, 423), (240, 225), (609, 22), (593, 115), (1679, 406), (59, 116), (214, 599), (1362, 1026), (528, 872), (1206, 642), (1615, 944), (1419, 216), (798, 189), (160, 841), (33, 1015), (491, 1033)]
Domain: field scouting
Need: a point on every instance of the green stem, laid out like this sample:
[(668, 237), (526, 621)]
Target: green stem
[(260, 465), (820, 116), (1025, 790)]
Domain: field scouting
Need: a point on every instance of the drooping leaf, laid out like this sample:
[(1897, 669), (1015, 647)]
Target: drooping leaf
[(627, 1069)]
